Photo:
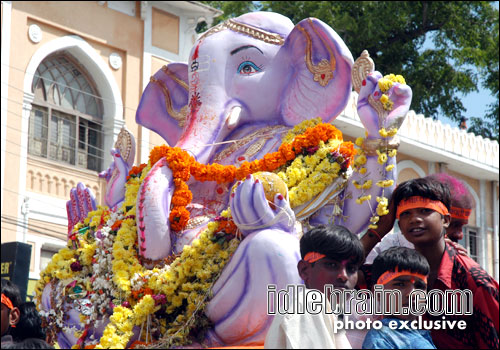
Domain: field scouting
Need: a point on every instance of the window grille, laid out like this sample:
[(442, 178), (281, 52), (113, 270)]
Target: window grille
[(471, 242), (66, 119)]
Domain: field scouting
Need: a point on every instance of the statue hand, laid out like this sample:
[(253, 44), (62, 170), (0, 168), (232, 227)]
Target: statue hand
[(251, 210), (116, 177), (370, 107), (82, 201)]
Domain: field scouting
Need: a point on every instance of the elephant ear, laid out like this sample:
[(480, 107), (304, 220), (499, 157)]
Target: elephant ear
[(163, 106), (320, 82)]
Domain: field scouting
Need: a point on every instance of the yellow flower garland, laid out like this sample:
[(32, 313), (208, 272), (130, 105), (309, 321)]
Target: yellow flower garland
[(309, 175), (382, 158)]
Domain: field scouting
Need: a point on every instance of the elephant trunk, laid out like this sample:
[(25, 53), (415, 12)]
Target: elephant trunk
[(208, 126)]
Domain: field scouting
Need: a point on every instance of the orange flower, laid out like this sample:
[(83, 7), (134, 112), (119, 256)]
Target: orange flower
[(179, 217), (116, 225), (287, 151), (228, 226), (243, 170), (136, 170)]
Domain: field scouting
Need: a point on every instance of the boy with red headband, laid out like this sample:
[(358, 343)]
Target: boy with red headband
[(405, 270), (331, 255), (423, 207), (11, 299), (462, 203)]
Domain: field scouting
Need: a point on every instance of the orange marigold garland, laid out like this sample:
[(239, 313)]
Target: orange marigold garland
[(184, 165), (136, 171)]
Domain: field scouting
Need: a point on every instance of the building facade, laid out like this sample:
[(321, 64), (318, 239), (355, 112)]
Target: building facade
[(72, 76)]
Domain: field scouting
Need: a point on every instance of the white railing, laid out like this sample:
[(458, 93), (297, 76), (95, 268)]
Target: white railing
[(441, 136)]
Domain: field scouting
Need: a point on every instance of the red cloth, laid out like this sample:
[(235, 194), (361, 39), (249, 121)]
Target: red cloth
[(461, 272)]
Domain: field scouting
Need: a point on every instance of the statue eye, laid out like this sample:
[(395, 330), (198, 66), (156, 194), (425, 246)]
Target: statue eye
[(248, 68)]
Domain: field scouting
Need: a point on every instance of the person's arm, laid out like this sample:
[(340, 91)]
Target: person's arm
[(372, 237), (385, 225), (485, 315)]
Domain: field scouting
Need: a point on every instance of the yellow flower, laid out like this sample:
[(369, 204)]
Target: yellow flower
[(360, 160), (367, 185), (400, 79), (382, 131), (363, 199), (381, 211), (385, 183), (382, 158), (388, 105), (392, 132), (384, 84), (389, 167), (392, 153)]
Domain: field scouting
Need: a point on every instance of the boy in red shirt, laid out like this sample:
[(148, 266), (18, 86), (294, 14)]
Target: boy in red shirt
[(422, 207)]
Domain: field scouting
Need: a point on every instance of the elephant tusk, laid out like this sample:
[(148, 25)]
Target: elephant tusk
[(234, 117)]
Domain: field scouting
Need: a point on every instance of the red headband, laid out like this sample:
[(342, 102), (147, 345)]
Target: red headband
[(6, 301), (388, 276), (460, 213), (313, 257), (421, 202)]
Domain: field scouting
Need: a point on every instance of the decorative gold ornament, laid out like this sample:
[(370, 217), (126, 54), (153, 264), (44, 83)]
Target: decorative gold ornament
[(371, 146), (323, 71), (182, 83), (125, 144), (179, 116), (246, 29), (258, 136), (360, 69)]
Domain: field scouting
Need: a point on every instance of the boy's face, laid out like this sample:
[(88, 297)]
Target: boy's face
[(341, 274), (406, 284), (423, 226), (455, 229)]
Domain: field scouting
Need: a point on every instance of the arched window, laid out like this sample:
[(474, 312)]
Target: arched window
[(66, 118)]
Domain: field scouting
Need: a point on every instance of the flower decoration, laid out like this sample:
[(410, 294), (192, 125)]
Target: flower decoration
[(101, 259), (310, 143), (385, 85)]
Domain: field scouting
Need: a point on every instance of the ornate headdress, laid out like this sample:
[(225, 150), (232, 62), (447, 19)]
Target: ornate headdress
[(254, 32)]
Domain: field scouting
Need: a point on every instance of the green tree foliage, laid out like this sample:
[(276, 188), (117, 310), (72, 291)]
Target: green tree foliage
[(464, 55)]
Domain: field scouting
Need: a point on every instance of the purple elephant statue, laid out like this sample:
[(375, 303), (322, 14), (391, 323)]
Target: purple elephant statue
[(248, 82)]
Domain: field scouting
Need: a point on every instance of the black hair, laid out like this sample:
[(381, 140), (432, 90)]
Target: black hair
[(29, 325), (12, 292), (334, 241), (29, 343), (401, 257), (423, 187)]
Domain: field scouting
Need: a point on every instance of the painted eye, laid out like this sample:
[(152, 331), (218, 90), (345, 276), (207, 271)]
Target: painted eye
[(248, 68)]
